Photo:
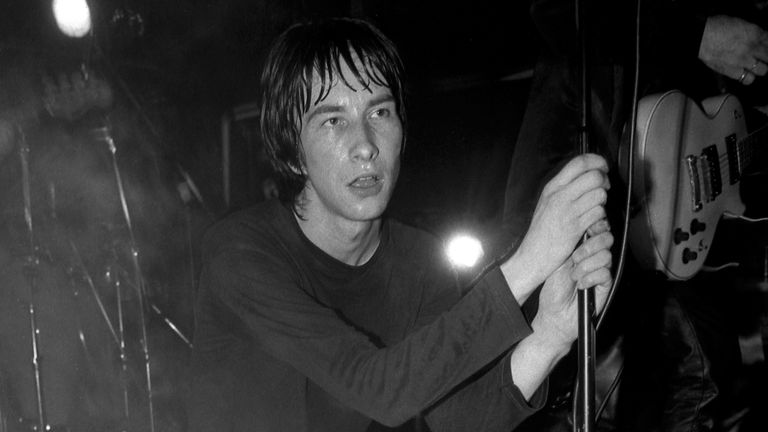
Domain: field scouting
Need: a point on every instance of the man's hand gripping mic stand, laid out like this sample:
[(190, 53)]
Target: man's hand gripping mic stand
[(585, 396)]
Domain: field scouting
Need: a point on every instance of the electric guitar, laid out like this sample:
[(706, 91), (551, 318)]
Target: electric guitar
[(689, 159)]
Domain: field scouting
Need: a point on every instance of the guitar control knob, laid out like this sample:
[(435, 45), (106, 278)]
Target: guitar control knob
[(697, 226), (689, 255), (680, 236)]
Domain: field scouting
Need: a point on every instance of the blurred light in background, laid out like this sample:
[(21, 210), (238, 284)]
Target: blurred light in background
[(464, 250), (73, 17)]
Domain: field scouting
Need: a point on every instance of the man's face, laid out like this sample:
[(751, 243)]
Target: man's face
[(351, 142)]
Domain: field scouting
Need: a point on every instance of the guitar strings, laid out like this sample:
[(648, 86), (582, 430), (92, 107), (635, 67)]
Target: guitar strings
[(744, 154)]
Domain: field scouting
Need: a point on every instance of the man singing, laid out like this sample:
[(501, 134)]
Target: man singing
[(318, 313)]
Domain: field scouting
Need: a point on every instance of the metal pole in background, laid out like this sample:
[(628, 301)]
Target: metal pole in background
[(104, 134), (31, 267)]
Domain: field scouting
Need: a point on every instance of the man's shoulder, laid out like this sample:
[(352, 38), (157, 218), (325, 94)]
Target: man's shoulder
[(249, 226)]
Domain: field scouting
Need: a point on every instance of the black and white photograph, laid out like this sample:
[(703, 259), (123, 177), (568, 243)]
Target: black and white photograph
[(371, 216)]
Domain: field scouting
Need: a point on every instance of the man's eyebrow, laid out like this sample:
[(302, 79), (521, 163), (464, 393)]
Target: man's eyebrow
[(387, 97), (324, 109)]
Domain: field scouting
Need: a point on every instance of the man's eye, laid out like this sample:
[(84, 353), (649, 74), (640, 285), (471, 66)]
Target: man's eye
[(333, 121), (381, 112)]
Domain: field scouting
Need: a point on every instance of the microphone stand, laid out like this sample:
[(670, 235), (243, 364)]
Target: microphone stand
[(174, 328), (103, 133), (31, 267), (80, 272), (185, 191), (113, 277), (585, 397)]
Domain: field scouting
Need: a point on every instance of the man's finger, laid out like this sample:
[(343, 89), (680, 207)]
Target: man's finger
[(591, 216), (759, 68), (594, 244), (601, 295), (590, 199), (596, 261), (601, 276), (577, 166), (599, 227)]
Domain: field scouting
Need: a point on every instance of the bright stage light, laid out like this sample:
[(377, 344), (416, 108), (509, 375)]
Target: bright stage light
[(464, 250), (73, 17)]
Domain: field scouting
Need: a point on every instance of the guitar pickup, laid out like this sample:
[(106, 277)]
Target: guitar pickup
[(710, 167), (693, 177), (734, 158)]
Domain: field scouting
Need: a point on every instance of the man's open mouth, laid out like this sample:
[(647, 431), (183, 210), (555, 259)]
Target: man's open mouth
[(365, 181)]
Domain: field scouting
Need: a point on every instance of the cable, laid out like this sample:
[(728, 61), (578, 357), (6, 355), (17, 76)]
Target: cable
[(730, 215), (630, 171), (713, 269), (611, 389)]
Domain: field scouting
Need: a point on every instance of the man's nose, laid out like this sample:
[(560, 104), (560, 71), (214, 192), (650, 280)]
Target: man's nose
[(364, 147)]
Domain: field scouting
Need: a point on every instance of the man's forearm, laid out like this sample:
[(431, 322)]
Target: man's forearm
[(520, 278), (532, 361)]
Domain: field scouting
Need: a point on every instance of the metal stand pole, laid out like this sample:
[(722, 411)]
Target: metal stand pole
[(174, 328), (138, 277), (586, 297), (114, 277), (79, 271), (31, 267)]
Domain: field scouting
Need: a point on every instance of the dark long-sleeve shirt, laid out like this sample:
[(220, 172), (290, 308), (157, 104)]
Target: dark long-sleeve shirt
[(290, 339)]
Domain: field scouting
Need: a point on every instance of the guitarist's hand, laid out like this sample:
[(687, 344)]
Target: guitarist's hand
[(735, 48), (569, 204)]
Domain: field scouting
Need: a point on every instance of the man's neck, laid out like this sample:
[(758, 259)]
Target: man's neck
[(351, 242)]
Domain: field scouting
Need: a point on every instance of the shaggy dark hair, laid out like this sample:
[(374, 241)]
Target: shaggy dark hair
[(317, 49)]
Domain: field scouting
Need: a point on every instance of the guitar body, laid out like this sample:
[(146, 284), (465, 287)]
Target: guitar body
[(682, 179)]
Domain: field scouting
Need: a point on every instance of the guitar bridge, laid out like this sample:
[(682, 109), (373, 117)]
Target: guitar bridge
[(693, 177)]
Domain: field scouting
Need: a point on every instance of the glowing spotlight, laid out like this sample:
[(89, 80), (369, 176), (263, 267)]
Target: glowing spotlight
[(464, 250), (73, 17)]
